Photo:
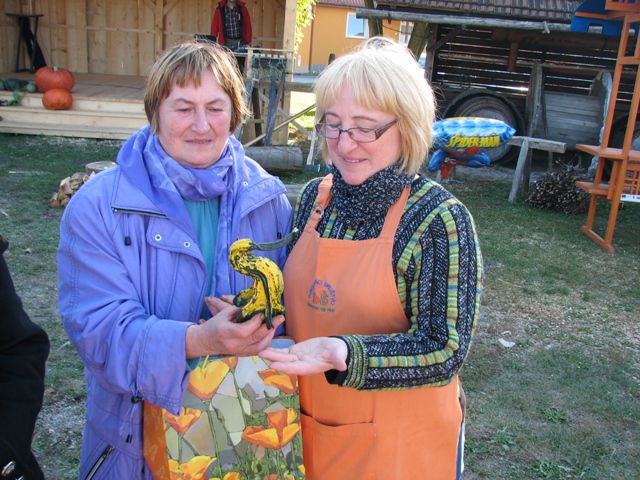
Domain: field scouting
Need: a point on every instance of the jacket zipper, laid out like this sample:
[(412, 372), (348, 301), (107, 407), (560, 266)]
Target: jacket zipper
[(138, 212), (99, 462)]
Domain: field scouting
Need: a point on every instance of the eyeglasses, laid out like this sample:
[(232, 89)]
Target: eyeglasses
[(357, 134)]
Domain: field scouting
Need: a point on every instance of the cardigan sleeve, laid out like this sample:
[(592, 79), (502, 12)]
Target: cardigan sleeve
[(439, 279), (438, 271)]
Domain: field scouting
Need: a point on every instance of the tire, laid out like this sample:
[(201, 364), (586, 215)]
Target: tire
[(489, 106)]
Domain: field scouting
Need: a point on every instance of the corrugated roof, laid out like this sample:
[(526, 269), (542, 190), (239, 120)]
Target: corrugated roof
[(342, 3), (549, 10)]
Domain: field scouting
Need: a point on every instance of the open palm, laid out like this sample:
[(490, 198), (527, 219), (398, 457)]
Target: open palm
[(313, 356)]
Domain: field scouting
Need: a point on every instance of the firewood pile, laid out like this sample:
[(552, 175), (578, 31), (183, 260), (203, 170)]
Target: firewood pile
[(556, 190), (69, 186)]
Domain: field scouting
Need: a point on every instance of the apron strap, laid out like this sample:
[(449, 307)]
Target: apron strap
[(322, 200), (391, 221)]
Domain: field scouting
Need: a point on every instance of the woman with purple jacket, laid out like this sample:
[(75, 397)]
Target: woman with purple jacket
[(143, 244)]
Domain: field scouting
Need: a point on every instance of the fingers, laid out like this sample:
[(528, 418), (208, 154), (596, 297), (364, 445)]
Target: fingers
[(278, 355), (277, 321), (309, 357), (223, 335), (227, 298), (216, 305), (287, 367), (257, 322)]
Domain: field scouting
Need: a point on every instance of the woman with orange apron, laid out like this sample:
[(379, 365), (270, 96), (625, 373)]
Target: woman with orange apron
[(381, 288)]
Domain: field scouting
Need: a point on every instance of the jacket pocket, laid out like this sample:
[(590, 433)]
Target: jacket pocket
[(109, 463), (343, 451), (96, 468)]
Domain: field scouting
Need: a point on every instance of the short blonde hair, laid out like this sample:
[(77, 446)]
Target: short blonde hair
[(384, 75), (184, 64)]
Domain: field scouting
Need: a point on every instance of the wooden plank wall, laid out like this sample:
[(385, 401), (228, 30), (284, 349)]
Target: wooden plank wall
[(123, 36), (8, 34), (501, 59)]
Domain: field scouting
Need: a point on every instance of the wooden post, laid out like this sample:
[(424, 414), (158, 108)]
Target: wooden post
[(516, 184), (520, 182), (158, 27), (288, 43)]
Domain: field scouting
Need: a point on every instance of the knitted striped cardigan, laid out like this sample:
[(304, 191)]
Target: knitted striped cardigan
[(438, 272)]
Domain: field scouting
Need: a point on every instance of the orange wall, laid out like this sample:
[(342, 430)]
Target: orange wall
[(327, 34)]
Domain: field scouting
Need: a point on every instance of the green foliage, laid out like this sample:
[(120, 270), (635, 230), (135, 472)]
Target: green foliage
[(19, 87), (304, 15)]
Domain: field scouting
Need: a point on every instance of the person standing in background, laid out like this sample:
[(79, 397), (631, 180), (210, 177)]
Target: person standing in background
[(24, 348), (231, 25)]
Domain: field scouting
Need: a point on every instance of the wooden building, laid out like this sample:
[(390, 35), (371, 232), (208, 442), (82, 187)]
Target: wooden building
[(123, 37), (110, 45)]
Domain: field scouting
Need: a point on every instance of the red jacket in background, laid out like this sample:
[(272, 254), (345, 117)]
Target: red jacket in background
[(217, 28)]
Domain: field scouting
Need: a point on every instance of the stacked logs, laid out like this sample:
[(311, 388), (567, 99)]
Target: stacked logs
[(556, 190), (69, 186)]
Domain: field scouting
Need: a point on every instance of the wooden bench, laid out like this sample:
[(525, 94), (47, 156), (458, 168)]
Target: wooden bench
[(520, 183)]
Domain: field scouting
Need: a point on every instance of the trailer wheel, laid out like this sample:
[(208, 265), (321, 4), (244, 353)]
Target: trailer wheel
[(488, 106)]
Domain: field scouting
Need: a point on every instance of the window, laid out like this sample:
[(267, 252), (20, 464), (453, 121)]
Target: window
[(357, 27), (405, 32)]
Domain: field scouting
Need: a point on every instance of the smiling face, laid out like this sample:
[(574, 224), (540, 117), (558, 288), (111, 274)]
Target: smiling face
[(358, 161), (194, 123)]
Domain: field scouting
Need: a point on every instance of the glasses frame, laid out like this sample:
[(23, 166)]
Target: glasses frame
[(378, 132)]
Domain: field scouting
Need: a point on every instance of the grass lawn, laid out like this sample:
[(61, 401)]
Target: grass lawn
[(560, 401)]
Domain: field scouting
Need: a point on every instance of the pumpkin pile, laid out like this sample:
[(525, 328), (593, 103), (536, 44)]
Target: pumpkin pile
[(56, 84)]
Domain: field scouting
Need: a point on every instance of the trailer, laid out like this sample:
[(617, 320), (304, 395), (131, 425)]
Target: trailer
[(518, 63)]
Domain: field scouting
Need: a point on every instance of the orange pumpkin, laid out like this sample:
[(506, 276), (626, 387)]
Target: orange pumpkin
[(54, 77), (57, 99)]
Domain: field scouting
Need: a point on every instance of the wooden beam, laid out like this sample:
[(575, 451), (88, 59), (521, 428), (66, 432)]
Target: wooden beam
[(418, 40), (288, 44), (513, 56), (286, 121), (171, 4), (289, 31), (539, 144), (517, 184), (435, 46), (460, 20), (158, 27), (292, 120)]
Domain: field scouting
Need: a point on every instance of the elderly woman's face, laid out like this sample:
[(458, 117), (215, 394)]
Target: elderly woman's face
[(194, 122), (358, 161)]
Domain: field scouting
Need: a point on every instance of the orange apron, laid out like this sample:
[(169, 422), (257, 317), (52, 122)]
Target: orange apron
[(342, 287)]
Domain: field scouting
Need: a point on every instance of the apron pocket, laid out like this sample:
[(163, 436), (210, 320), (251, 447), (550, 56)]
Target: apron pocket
[(343, 451)]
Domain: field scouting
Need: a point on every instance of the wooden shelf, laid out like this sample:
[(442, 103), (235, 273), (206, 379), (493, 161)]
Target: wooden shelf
[(627, 6), (608, 152), (600, 189)]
